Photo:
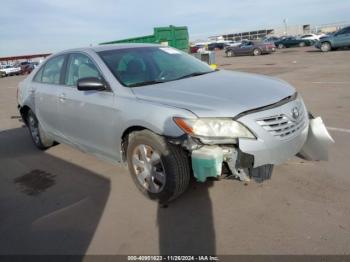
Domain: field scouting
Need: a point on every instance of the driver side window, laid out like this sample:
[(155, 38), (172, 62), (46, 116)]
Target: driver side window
[(80, 66)]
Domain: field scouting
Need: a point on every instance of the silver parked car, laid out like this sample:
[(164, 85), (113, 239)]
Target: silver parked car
[(168, 115)]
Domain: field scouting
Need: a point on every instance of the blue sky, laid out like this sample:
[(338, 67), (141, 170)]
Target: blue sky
[(32, 26)]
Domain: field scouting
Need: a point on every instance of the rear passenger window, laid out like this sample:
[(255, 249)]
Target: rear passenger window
[(52, 70)]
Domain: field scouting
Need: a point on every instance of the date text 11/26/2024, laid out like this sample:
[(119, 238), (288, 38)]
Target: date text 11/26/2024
[(173, 258)]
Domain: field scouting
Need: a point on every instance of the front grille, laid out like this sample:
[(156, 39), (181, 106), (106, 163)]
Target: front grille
[(283, 126)]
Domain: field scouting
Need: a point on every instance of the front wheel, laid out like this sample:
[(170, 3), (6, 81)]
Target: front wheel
[(280, 46), (230, 53), (160, 170), (325, 47), (38, 135)]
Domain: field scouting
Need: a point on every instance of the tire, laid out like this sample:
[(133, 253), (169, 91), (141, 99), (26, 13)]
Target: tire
[(326, 47), (169, 160), (261, 173), (256, 52), (230, 53), (301, 44), (40, 139), (280, 46)]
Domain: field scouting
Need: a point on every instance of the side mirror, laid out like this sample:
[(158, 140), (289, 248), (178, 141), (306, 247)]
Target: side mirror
[(91, 84)]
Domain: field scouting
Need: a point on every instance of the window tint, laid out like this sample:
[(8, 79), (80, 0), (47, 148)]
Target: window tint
[(80, 66), (52, 70)]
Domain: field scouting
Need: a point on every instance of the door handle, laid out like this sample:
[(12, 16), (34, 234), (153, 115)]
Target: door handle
[(62, 96)]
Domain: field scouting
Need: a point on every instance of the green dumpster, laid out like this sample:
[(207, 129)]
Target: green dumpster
[(172, 36)]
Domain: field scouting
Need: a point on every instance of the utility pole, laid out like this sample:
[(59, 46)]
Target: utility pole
[(285, 26)]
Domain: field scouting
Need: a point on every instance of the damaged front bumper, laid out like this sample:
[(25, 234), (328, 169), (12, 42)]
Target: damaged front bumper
[(318, 141), (307, 138)]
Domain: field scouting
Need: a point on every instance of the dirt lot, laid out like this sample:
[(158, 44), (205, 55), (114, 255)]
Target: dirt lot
[(65, 202)]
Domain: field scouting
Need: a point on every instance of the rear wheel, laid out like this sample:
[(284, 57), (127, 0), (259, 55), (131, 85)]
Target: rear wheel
[(160, 170), (280, 46), (38, 135), (256, 52), (302, 44), (325, 47)]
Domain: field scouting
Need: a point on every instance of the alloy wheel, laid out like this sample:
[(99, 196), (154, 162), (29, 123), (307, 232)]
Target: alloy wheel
[(325, 47), (148, 168)]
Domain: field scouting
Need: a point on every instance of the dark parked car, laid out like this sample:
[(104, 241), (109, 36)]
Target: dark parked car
[(26, 67), (292, 42), (336, 40), (250, 48), (213, 46)]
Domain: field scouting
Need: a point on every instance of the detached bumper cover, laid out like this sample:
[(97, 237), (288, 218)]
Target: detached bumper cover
[(318, 141)]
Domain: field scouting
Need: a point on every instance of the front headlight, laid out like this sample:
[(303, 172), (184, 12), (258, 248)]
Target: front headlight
[(218, 129)]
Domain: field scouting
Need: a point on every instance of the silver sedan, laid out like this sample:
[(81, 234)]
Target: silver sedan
[(168, 115)]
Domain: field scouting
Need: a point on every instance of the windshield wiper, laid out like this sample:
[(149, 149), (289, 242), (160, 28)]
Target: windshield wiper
[(194, 74), (151, 82)]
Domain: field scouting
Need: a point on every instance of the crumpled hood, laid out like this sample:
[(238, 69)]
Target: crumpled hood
[(218, 94)]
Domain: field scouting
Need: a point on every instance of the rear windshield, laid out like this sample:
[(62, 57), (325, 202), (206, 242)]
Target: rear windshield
[(151, 65)]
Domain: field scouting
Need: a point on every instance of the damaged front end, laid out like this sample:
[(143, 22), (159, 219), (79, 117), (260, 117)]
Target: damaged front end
[(213, 147), (248, 157), (214, 161)]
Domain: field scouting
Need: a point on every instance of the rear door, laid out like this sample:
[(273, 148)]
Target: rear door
[(87, 117), (45, 88)]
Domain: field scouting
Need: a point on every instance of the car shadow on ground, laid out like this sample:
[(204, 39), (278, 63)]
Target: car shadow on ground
[(186, 226), (47, 205)]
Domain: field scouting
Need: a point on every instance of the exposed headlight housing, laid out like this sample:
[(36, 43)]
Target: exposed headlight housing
[(214, 130)]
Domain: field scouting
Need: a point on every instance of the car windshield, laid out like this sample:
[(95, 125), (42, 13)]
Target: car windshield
[(140, 66)]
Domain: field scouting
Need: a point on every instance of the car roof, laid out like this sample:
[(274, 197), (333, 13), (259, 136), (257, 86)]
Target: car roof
[(108, 47)]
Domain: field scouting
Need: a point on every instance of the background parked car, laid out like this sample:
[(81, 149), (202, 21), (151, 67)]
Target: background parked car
[(312, 37), (293, 42), (250, 48), (26, 67), (10, 70), (213, 46), (339, 39), (194, 48)]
